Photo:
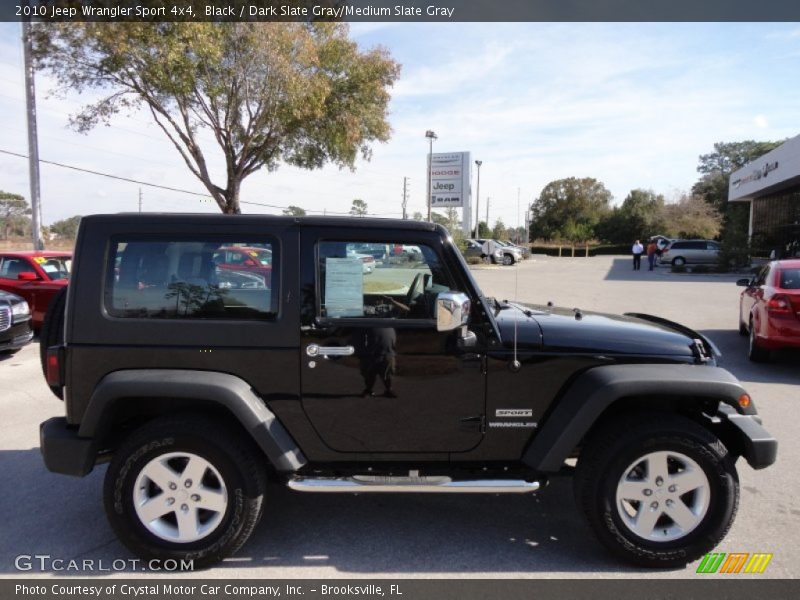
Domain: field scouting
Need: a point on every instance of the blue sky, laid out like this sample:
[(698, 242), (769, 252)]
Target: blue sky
[(632, 105)]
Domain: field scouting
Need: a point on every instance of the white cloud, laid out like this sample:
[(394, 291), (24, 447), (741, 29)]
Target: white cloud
[(761, 121)]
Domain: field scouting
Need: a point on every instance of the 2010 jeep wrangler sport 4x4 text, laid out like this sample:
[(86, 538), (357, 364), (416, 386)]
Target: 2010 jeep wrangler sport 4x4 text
[(203, 354)]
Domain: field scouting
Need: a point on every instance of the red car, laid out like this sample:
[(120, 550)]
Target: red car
[(36, 276), (769, 309), (245, 258)]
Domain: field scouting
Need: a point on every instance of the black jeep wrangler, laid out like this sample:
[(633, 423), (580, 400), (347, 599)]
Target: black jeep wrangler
[(203, 354)]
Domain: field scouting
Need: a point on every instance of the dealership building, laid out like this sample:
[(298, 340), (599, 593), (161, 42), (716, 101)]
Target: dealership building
[(771, 184)]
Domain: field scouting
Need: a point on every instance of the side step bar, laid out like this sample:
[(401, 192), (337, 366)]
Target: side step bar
[(361, 484)]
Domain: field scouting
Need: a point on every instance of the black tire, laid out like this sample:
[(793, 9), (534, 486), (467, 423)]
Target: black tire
[(678, 262), (242, 470), (755, 352), (606, 457), (742, 327), (508, 260), (52, 332)]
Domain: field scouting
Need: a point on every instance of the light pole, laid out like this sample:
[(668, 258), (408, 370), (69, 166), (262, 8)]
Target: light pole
[(487, 210), (478, 202), (431, 136)]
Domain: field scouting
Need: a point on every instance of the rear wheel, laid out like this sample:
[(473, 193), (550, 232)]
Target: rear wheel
[(658, 491), (678, 262), (755, 352), (184, 489)]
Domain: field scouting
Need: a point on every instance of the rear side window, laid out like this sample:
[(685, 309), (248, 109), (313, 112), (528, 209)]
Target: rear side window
[(790, 279), (192, 279)]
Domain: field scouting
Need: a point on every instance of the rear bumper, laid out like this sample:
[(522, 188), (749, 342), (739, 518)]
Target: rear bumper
[(63, 451), (782, 333), (750, 438)]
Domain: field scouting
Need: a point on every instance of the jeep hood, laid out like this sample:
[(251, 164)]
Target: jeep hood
[(552, 329)]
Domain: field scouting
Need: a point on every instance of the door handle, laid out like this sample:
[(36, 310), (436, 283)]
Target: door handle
[(316, 350)]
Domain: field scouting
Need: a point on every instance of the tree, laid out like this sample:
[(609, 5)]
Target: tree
[(359, 208), (449, 219), (692, 217), (499, 232), (294, 211), (569, 209), (417, 216), (716, 168), (640, 216), (299, 93), (484, 231), (66, 228), (14, 211)]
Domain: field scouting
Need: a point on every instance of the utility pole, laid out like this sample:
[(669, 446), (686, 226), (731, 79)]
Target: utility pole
[(487, 210), (140, 199), (405, 198), (33, 141), (478, 202), (431, 135)]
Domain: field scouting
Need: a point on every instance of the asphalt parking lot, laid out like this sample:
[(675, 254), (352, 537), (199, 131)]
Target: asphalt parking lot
[(455, 536)]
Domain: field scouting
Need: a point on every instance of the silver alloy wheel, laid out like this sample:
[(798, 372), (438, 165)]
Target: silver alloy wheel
[(662, 496), (180, 497)]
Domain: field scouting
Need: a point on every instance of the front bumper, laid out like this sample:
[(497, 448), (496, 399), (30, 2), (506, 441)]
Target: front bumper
[(16, 337), (748, 437), (63, 451)]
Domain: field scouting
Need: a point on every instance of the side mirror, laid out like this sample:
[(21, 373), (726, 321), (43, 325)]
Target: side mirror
[(28, 276), (743, 282), (452, 310)]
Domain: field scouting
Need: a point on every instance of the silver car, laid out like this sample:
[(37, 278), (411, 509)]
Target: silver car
[(687, 252)]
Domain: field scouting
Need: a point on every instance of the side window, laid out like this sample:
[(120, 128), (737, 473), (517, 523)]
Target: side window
[(189, 279), (402, 283), (11, 267), (712, 245)]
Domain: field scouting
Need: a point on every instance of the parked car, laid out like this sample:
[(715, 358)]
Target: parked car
[(526, 250), (36, 276), (329, 386), (15, 323), (690, 252), (509, 255), (245, 258), (367, 260), (475, 249), (769, 309)]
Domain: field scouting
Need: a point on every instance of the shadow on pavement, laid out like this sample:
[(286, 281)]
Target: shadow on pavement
[(404, 534), (783, 367), (622, 270)]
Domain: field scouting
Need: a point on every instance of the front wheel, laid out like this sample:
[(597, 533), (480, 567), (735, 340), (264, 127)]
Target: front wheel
[(508, 260), (184, 489), (658, 491)]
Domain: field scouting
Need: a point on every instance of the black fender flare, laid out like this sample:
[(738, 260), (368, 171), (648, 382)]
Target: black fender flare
[(223, 389), (596, 389)]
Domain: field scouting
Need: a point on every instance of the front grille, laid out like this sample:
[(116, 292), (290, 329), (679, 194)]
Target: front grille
[(5, 317)]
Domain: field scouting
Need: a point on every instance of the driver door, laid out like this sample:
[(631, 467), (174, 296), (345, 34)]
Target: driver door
[(376, 375)]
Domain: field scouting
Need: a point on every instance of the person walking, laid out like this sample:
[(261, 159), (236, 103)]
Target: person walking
[(637, 251), (652, 254)]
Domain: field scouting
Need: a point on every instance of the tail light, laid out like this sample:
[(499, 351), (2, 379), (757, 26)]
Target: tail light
[(367, 259), (55, 362), (779, 305)]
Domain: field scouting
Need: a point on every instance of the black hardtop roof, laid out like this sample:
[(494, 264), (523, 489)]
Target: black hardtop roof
[(315, 221)]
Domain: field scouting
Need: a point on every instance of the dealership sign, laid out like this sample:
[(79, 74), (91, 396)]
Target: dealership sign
[(450, 174)]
